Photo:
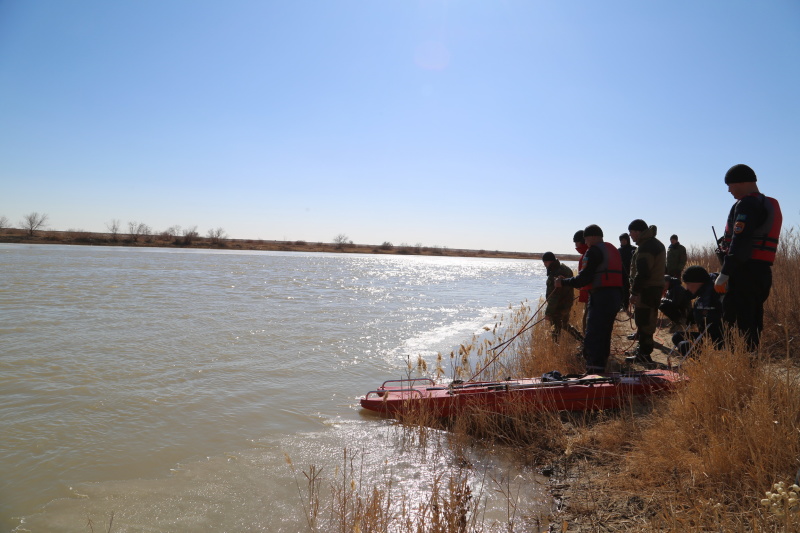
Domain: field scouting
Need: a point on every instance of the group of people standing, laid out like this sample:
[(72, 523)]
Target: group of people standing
[(610, 278)]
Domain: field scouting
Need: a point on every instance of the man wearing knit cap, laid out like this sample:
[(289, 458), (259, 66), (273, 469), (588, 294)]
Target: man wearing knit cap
[(676, 257), (601, 271), (706, 311), (648, 267), (559, 300), (747, 250)]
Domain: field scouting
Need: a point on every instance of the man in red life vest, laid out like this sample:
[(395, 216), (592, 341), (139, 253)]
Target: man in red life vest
[(601, 271), (747, 250)]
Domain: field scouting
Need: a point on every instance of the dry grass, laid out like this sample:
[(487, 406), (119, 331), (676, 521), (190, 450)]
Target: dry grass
[(712, 457), (347, 505), (705, 458), (782, 312)]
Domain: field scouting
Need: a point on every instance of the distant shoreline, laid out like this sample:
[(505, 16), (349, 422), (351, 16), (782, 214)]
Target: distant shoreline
[(17, 236)]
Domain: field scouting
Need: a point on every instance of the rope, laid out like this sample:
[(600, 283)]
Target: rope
[(505, 344), (524, 326)]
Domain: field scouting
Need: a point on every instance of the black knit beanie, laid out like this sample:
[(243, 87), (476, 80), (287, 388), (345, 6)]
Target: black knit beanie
[(592, 230), (695, 274), (578, 237), (740, 174), (549, 256), (637, 225)]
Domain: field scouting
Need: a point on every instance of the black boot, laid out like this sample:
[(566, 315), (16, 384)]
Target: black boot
[(642, 358)]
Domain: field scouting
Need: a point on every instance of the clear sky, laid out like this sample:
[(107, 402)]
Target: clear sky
[(492, 124)]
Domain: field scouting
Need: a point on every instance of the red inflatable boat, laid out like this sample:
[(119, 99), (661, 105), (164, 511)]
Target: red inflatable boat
[(571, 393)]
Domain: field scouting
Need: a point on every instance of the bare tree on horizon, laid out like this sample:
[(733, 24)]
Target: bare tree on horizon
[(138, 229), (342, 240), (113, 228), (33, 222), (190, 234), (216, 235)]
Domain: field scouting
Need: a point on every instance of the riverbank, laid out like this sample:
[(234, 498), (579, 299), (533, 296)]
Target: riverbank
[(585, 474), (706, 458), (711, 457), (16, 236)]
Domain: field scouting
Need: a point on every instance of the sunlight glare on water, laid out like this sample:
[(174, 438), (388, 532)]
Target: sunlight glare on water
[(126, 374)]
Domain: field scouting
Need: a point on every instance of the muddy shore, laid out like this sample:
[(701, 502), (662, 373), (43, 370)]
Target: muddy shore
[(584, 497)]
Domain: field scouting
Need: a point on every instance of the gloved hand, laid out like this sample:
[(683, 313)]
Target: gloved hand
[(721, 285)]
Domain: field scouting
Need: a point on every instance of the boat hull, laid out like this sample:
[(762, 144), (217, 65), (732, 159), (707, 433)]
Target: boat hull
[(586, 393)]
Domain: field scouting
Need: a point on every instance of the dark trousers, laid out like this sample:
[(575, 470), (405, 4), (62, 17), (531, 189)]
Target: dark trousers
[(743, 303), (646, 320), (645, 316), (559, 322), (626, 292), (602, 311)]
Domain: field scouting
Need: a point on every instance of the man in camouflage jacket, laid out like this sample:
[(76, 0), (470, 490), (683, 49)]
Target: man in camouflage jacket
[(647, 285), (559, 299), (676, 257)]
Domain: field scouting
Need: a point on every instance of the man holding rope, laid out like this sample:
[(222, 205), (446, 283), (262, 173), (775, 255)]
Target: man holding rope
[(559, 300), (601, 270)]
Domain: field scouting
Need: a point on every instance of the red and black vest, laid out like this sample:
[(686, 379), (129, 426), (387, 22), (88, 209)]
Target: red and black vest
[(764, 239), (609, 272)]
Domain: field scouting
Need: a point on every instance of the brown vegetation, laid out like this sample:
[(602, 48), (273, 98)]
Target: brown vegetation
[(141, 235)]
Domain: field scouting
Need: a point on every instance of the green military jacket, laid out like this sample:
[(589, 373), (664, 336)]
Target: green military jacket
[(648, 267), (559, 300), (676, 257)]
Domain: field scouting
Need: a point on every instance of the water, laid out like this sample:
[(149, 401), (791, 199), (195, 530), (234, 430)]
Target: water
[(167, 387)]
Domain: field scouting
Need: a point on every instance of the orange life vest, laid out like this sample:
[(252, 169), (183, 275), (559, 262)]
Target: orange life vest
[(764, 239), (609, 271)]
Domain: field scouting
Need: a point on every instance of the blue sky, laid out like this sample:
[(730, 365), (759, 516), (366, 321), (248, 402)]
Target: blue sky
[(469, 124)]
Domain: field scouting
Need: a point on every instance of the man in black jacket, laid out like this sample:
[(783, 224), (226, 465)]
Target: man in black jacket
[(748, 250), (707, 310), (676, 303)]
